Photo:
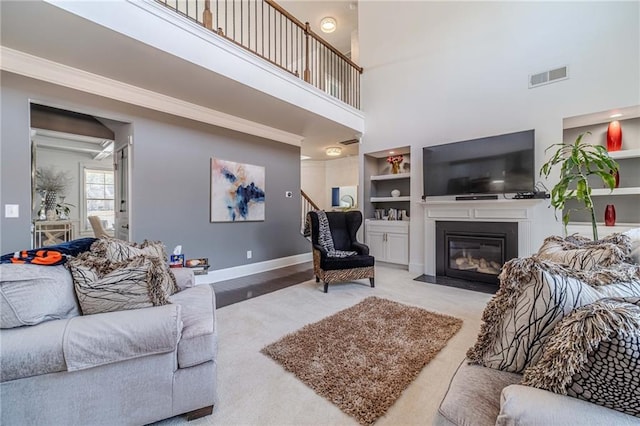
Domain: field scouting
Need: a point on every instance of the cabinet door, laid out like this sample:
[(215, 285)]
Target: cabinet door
[(375, 241), (397, 248)]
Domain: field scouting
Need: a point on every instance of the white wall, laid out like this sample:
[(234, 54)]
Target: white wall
[(459, 70), (313, 181), (318, 177)]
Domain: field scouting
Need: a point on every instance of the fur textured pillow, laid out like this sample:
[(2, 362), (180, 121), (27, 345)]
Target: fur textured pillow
[(105, 286), (534, 296), (594, 355), (118, 250), (581, 253)]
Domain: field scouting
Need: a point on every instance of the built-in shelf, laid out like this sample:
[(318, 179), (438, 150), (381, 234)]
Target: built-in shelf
[(616, 191), (391, 177), (625, 153), (584, 228), (390, 199)]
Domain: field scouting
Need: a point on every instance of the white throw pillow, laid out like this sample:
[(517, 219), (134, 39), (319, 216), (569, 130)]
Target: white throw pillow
[(634, 236), (534, 296)]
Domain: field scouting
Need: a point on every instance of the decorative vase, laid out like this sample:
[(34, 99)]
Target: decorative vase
[(50, 201), (614, 136), (395, 168), (610, 215), (395, 193)]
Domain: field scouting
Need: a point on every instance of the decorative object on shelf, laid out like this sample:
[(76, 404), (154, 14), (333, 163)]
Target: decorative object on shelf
[(63, 209), (616, 177), (614, 136), (395, 161), (395, 193), (610, 215), (49, 183), (577, 162)]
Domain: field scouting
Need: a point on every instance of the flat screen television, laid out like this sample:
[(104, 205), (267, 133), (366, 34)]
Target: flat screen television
[(492, 165)]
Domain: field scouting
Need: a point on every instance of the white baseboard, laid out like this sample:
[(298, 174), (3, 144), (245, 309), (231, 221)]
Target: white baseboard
[(252, 268)]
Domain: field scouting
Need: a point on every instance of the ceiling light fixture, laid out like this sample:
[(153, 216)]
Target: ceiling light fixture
[(333, 151), (328, 24), (615, 115)]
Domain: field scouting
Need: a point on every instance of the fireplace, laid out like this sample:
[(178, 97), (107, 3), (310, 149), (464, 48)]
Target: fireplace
[(474, 251)]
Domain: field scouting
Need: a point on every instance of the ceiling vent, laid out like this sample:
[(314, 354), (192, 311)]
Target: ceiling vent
[(547, 77), (349, 142)]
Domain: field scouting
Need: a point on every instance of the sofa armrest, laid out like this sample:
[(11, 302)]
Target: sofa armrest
[(94, 340), (525, 405)]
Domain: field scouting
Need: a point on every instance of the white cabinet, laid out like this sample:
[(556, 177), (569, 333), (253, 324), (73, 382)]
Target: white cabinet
[(388, 240)]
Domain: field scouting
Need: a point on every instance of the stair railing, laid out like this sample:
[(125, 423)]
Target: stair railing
[(269, 31), (307, 206)]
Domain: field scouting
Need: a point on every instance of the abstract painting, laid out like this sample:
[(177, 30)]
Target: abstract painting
[(237, 191)]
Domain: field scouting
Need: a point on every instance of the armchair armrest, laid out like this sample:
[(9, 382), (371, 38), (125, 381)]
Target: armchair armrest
[(322, 251), (94, 340), (360, 248)]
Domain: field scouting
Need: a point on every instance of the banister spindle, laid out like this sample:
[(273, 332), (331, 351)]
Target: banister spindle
[(307, 72)]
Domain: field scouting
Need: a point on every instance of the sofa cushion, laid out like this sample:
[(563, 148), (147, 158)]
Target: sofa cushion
[(105, 286), (185, 278), (94, 340), (473, 396), (583, 254), (634, 237), (198, 342), (118, 250), (594, 355), (528, 406), (31, 351), (31, 294), (534, 296)]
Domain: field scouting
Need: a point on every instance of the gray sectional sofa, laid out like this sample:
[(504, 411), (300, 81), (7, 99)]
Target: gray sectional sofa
[(128, 367)]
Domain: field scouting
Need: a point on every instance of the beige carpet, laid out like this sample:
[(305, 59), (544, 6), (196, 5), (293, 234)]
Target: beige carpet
[(363, 357)]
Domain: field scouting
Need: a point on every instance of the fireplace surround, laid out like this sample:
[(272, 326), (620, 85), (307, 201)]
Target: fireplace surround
[(474, 251)]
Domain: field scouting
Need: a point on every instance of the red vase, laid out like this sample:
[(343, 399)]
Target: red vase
[(614, 136), (610, 215)]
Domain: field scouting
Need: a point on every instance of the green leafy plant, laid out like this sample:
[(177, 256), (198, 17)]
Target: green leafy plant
[(577, 162)]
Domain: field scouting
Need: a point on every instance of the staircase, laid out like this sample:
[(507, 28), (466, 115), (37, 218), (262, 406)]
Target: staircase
[(307, 206)]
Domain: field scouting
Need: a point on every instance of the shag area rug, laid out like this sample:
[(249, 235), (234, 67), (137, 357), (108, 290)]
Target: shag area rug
[(363, 357)]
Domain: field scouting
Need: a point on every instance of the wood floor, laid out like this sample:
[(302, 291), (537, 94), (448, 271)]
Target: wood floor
[(239, 289)]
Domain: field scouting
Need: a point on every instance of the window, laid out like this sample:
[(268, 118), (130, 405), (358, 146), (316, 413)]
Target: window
[(99, 197)]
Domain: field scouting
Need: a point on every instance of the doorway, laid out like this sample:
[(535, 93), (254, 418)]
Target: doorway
[(78, 149)]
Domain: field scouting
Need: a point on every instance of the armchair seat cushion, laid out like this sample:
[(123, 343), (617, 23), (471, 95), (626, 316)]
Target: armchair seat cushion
[(198, 342), (350, 262)]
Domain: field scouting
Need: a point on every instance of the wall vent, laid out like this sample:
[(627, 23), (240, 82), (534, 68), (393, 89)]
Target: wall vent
[(350, 142), (547, 77)]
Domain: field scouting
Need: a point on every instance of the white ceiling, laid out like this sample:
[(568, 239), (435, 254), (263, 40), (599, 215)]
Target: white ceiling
[(49, 32)]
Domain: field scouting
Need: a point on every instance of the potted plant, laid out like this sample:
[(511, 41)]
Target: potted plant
[(51, 183), (577, 162)]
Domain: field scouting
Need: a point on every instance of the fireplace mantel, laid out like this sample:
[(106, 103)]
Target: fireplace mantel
[(501, 210)]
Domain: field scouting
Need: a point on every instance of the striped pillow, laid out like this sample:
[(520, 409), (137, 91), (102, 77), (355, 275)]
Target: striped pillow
[(105, 286)]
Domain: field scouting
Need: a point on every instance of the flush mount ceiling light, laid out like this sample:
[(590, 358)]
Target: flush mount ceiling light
[(333, 151), (616, 115), (328, 24)]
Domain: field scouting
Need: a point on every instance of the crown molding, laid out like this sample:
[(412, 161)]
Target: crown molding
[(38, 68)]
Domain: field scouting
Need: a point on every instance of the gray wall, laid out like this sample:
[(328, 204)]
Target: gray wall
[(170, 178)]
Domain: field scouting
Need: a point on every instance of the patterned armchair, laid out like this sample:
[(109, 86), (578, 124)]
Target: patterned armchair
[(337, 255)]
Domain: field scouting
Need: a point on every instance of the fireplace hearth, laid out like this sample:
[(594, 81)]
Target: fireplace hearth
[(474, 251)]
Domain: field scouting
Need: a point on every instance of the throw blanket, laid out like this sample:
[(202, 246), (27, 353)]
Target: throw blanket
[(326, 240)]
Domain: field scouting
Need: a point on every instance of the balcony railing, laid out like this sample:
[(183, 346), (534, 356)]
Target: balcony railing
[(266, 29)]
